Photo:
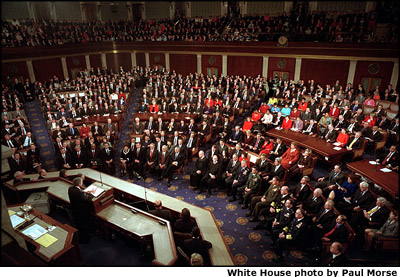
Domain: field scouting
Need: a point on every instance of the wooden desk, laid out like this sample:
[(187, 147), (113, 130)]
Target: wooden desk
[(318, 146), (119, 118), (219, 254), (62, 252), (389, 181), (144, 227), (165, 116)]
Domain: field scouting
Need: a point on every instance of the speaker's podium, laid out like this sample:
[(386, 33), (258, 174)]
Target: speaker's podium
[(103, 196)]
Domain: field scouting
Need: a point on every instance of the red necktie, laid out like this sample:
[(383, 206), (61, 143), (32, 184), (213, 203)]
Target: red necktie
[(151, 154), (162, 158), (331, 231), (387, 158)]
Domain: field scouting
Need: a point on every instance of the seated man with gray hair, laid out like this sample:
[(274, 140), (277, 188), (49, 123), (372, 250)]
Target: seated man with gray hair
[(375, 215)]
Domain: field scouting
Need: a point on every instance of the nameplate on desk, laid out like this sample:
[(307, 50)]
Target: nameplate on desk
[(78, 118)]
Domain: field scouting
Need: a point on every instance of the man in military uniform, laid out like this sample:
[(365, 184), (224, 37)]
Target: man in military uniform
[(239, 180), (279, 220), (292, 235), (259, 202), (252, 187)]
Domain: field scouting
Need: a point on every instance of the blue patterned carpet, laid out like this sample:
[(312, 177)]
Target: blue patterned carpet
[(42, 135)]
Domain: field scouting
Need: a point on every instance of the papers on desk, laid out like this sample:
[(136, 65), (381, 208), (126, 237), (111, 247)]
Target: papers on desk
[(373, 162), (11, 212), (253, 158), (337, 144), (35, 231), (337, 148), (16, 220), (46, 240), (81, 94), (386, 169), (78, 118), (94, 190), (106, 114), (137, 139)]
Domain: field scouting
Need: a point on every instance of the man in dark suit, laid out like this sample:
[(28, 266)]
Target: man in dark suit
[(72, 132), (175, 162), (10, 142), (239, 180), (64, 159), (278, 150), (314, 202), (301, 192), (138, 156), (200, 170), (107, 158), (96, 129), (151, 160), (81, 204), (276, 170), (337, 231), (258, 142), (336, 257), (383, 123), (236, 136), (353, 126), (361, 200), (160, 212), (322, 221), (79, 157), (212, 177), (329, 134), (204, 130), (16, 163), (197, 245), (185, 223), (94, 156), (310, 128), (190, 143), (230, 171), (389, 158), (375, 215), (335, 176)]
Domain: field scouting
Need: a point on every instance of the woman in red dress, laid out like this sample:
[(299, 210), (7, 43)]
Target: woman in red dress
[(84, 131), (154, 107), (371, 119), (267, 146), (255, 116), (290, 157), (343, 137), (247, 124), (286, 123)]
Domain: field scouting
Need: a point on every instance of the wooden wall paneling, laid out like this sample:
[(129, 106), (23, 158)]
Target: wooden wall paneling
[(157, 59), (373, 69), (281, 64), (112, 61), (325, 71), (95, 61), (244, 65), (74, 64), (124, 60), (14, 69), (47, 68), (211, 61), (140, 59), (183, 64)]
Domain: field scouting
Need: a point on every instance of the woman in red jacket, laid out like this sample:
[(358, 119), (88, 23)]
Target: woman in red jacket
[(295, 113), (84, 131), (343, 137), (247, 124), (290, 157), (267, 146), (286, 123), (255, 116), (154, 107), (371, 119)]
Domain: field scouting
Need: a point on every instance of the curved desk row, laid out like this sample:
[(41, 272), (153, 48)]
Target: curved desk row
[(219, 254)]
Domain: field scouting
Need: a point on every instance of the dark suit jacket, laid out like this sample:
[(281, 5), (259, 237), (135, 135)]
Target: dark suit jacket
[(364, 201), (393, 161), (340, 260), (153, 158), (313, 128), (184, 226), (201, 164), (200, 246), (141, 156), (313, 207), (357, 145), (165, 214), (237, 137), (280, 172), (104, 157), (340, 178), (340, 234), (82, 159), (61, 162), (100, 130), (80, 203), (325, 219), (301, 195)]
